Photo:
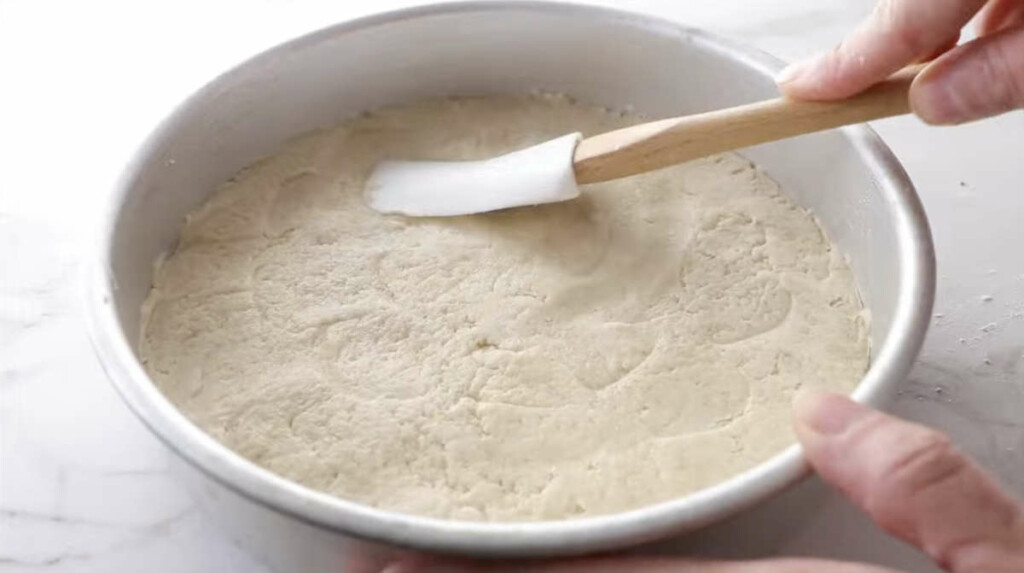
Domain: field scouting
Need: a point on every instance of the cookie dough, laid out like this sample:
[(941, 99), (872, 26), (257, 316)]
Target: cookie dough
[(630, 346)]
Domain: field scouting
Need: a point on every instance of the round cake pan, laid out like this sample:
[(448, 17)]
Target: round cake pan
[(847, 178)]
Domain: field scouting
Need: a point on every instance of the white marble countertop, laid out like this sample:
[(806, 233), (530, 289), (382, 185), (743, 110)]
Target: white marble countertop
[(83, 485)]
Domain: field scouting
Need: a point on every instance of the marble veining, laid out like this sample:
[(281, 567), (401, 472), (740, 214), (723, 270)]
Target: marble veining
[(85, 487)]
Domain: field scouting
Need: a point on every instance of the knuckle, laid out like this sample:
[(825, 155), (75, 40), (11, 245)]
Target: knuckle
[(834, 61), (911, 41), (925, 465), (893, 18), (1002, 71), (930, 460)]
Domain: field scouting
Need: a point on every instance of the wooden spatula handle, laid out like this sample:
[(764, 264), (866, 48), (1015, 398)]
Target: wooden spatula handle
[(650, 146)]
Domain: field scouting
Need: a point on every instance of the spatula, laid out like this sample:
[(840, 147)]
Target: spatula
[(551, 171)]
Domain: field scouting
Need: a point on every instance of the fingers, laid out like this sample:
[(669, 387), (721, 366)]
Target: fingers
[(913, 483), (1000, 15), (640, 565), (896, 34), (979, 79), (949, 45)]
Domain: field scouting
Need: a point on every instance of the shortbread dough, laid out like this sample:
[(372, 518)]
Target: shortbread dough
[(624, 348)]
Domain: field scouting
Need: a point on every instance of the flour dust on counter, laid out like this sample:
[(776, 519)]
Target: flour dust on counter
[(631, 346)]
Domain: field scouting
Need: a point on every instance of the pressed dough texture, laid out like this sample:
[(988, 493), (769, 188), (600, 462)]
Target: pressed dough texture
[(627, 347)]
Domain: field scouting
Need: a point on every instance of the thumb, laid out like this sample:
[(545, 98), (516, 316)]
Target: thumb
[(913, 483), (982, 78), (897, 33)]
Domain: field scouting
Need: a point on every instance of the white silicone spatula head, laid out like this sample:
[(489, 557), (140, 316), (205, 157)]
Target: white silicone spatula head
[(549, 172), (539, 174)]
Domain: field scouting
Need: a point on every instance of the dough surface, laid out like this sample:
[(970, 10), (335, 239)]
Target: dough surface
[(624, 348)]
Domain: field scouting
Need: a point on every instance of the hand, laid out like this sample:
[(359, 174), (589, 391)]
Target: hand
[(908, 478), (981, 78)]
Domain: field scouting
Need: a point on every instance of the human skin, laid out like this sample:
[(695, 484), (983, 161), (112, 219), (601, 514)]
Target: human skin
[(909, 479), (981, 78)]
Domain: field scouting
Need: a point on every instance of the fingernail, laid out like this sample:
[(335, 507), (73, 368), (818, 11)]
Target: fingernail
[(825, 413), (934, 100), (795, 70)]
